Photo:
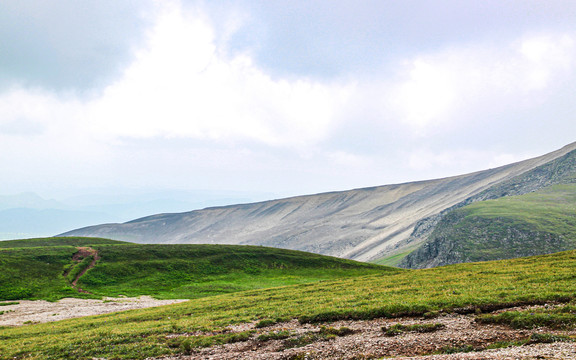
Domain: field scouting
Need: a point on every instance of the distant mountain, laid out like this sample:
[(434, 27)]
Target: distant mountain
[(29, 215), (28, 201), (25, 223), (385, 222)]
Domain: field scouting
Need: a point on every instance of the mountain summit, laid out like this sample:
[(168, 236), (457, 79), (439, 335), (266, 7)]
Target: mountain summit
[(369, 224)]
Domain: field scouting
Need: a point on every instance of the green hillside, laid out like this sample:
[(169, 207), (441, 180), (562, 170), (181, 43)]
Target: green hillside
[(551, 210), (471, 287), (540, 222), (45, 268)]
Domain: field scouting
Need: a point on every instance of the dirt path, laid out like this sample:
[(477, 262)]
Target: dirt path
[(84, 252), (369, 342), (41, 311)]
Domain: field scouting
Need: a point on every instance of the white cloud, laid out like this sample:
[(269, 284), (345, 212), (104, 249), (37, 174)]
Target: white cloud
[(428, 95), (182, 85), (440, 87), (546, 56), (251, 130), (460, 161)]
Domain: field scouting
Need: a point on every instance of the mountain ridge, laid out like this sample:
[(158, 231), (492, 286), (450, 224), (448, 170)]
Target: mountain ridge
[(362, 224)]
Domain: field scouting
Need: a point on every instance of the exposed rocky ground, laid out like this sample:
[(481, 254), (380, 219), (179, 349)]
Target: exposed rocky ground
[(40, 311), (458, 337), (442, 233)]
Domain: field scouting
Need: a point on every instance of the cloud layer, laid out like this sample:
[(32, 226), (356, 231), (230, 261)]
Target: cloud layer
[(191, 102)]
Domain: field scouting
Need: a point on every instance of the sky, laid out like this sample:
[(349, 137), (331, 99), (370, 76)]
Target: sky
[(278, 97)]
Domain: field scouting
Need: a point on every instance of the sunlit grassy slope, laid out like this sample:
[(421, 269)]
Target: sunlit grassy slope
[(552, 209), (143, 333), (33, 269), (536, 223)]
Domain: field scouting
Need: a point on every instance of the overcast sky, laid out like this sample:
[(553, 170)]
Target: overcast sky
[(280, 97)]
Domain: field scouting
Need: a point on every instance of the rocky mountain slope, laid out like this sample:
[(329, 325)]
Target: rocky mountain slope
[(534, 214), (362, 224)]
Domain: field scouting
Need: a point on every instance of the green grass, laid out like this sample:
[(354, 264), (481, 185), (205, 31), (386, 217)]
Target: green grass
[(461, 288), (35, 273), (193, 271), (275, 335), (9, 303), (398, 329), (542, 222), (393, 260), (563, 318), (57, 241), (162, 271), (551, 210)]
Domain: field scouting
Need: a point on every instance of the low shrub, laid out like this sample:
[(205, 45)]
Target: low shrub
[(544, 338), (265, 323)]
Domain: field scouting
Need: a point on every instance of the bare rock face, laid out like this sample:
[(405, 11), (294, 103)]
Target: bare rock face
[(481, 240), (362, 224)]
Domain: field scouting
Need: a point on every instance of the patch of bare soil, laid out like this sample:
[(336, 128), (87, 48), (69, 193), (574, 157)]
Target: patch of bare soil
[(368, 341), (84, 252), (40, 311)]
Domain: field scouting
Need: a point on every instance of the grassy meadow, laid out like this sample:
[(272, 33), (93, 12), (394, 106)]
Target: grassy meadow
[(37, 269), (137, 334), (550, 210)]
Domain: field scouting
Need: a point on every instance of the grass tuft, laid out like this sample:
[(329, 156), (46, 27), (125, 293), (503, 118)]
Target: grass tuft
[(398, 329), (562, 318)]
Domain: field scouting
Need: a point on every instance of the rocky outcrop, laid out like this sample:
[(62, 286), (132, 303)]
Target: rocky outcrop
[(447, 240), (459, 239)]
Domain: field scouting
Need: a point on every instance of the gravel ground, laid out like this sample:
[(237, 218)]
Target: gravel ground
[(369, 342), (41, 311)]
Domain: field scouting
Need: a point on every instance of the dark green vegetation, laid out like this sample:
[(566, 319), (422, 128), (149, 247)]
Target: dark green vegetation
[(324, 334), (535, 338), (562, 318), (398, 329), (45, 269), (35, 273), (462, 288), (192, 271), (9, 303), (58, 241)]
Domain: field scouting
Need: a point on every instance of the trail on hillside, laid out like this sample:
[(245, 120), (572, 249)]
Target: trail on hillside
[(84, 252)]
